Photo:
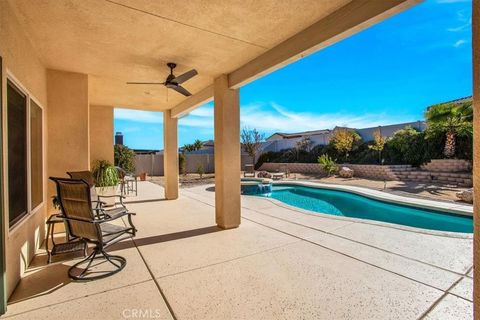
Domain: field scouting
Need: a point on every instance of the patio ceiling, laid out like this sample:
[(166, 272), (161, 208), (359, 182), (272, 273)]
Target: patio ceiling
[(132, 40)]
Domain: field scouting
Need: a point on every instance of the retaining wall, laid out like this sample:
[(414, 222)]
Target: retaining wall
[(391, 172)]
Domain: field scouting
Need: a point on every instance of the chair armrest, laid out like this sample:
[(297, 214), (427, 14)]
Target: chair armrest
[(112, 196), (108, 218), (99, 203)]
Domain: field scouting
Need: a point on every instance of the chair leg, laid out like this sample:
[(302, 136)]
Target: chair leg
[(132, 225), (117, 261)]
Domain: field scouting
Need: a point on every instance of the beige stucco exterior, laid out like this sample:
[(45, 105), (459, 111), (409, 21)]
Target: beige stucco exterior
[(22, 63), (170, 156), (76, 66), (68, 124), (227, 154), (101, 133)]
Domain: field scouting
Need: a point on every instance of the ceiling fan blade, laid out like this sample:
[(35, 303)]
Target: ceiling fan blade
[(145, 82), (181, 90), (184, 77)]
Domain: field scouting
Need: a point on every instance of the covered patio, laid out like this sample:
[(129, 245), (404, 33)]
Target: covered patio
[(67, 63), (281, 264)]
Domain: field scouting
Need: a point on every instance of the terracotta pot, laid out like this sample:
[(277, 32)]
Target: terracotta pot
[(143, 176)]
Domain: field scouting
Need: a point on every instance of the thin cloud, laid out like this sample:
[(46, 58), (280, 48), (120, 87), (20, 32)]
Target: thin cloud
[(459, 43), (266, 117), (273, 117), (138, 116), (205, 111)]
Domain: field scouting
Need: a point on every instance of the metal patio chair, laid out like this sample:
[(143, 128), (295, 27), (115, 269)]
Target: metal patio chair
[(92, 225)]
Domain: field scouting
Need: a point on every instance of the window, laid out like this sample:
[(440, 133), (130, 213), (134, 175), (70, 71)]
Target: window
[(36, 154), (17, 153), (25, 152)]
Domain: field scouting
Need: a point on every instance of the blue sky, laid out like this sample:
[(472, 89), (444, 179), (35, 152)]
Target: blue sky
[(386, 74)]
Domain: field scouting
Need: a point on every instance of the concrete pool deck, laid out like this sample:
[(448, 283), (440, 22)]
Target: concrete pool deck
[(280, 263)]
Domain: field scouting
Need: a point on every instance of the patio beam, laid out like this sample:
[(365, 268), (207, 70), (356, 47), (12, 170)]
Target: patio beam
[(170, 155), (192, 102), (476, 155), (227, 154)]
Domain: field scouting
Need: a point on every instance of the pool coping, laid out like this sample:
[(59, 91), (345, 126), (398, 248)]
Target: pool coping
[(379, 195), (461, 209)]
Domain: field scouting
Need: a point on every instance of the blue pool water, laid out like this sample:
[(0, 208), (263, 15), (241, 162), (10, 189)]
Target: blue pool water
[(347, 204)]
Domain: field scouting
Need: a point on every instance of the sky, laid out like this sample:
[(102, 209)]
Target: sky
[(383, 75)]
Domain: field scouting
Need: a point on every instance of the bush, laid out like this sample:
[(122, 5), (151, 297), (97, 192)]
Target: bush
[(124, 158), (407, 146), (200, 170), (328, 165), (182, 164)]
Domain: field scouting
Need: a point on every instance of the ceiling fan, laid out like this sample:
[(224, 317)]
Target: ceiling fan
[(173, 82)]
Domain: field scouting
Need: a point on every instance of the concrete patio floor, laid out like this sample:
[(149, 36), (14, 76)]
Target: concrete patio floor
[(281, 263)]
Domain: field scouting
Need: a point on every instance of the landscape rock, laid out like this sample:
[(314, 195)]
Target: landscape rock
[(346, 172), (466, 195)]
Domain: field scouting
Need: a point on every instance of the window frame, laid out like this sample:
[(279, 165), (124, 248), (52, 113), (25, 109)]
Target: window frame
[(29, 97)]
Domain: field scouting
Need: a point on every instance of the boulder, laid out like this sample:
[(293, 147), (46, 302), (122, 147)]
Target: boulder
[(466, 195), (345, 172)]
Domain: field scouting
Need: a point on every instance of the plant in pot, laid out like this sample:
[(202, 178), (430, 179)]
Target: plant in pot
[(106, 180)]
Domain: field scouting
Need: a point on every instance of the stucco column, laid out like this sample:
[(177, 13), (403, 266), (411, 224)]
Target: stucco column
[(68, 125), (227, 154), (101, 133), (170, 155), (476, 155)]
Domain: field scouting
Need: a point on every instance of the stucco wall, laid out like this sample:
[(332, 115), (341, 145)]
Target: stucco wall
[(101, 133), (19, 58), (68, 125)]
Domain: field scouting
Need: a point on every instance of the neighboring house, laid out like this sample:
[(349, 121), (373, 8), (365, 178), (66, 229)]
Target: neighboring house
[(280, 141), (388, 131)]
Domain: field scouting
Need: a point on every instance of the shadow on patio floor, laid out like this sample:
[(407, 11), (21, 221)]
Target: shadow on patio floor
[(41, 282), (165, 238)]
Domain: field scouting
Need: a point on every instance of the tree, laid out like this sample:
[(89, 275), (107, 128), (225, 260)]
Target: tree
[(305, 144), (252, 142), (197, 145), (452, 120), (124, 157), (344, 140), (378, 143)]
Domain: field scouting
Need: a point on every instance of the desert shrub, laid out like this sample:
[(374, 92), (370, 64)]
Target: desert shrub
[(200, 170), (182, 163), (328, 164)]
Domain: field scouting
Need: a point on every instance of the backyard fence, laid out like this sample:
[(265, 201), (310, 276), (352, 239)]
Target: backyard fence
[(152, 164)]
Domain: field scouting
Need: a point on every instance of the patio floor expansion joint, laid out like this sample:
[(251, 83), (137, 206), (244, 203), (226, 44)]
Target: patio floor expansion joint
[(359, 242), (70, 299), (349, 256), (422, 316)]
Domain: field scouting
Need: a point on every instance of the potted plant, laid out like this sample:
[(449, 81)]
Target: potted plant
[(106, 180)]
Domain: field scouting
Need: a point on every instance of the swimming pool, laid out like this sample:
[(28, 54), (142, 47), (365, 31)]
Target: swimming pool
[(346, 204)]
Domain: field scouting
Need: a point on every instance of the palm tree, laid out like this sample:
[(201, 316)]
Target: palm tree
[(452, 120), (198, 144)]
